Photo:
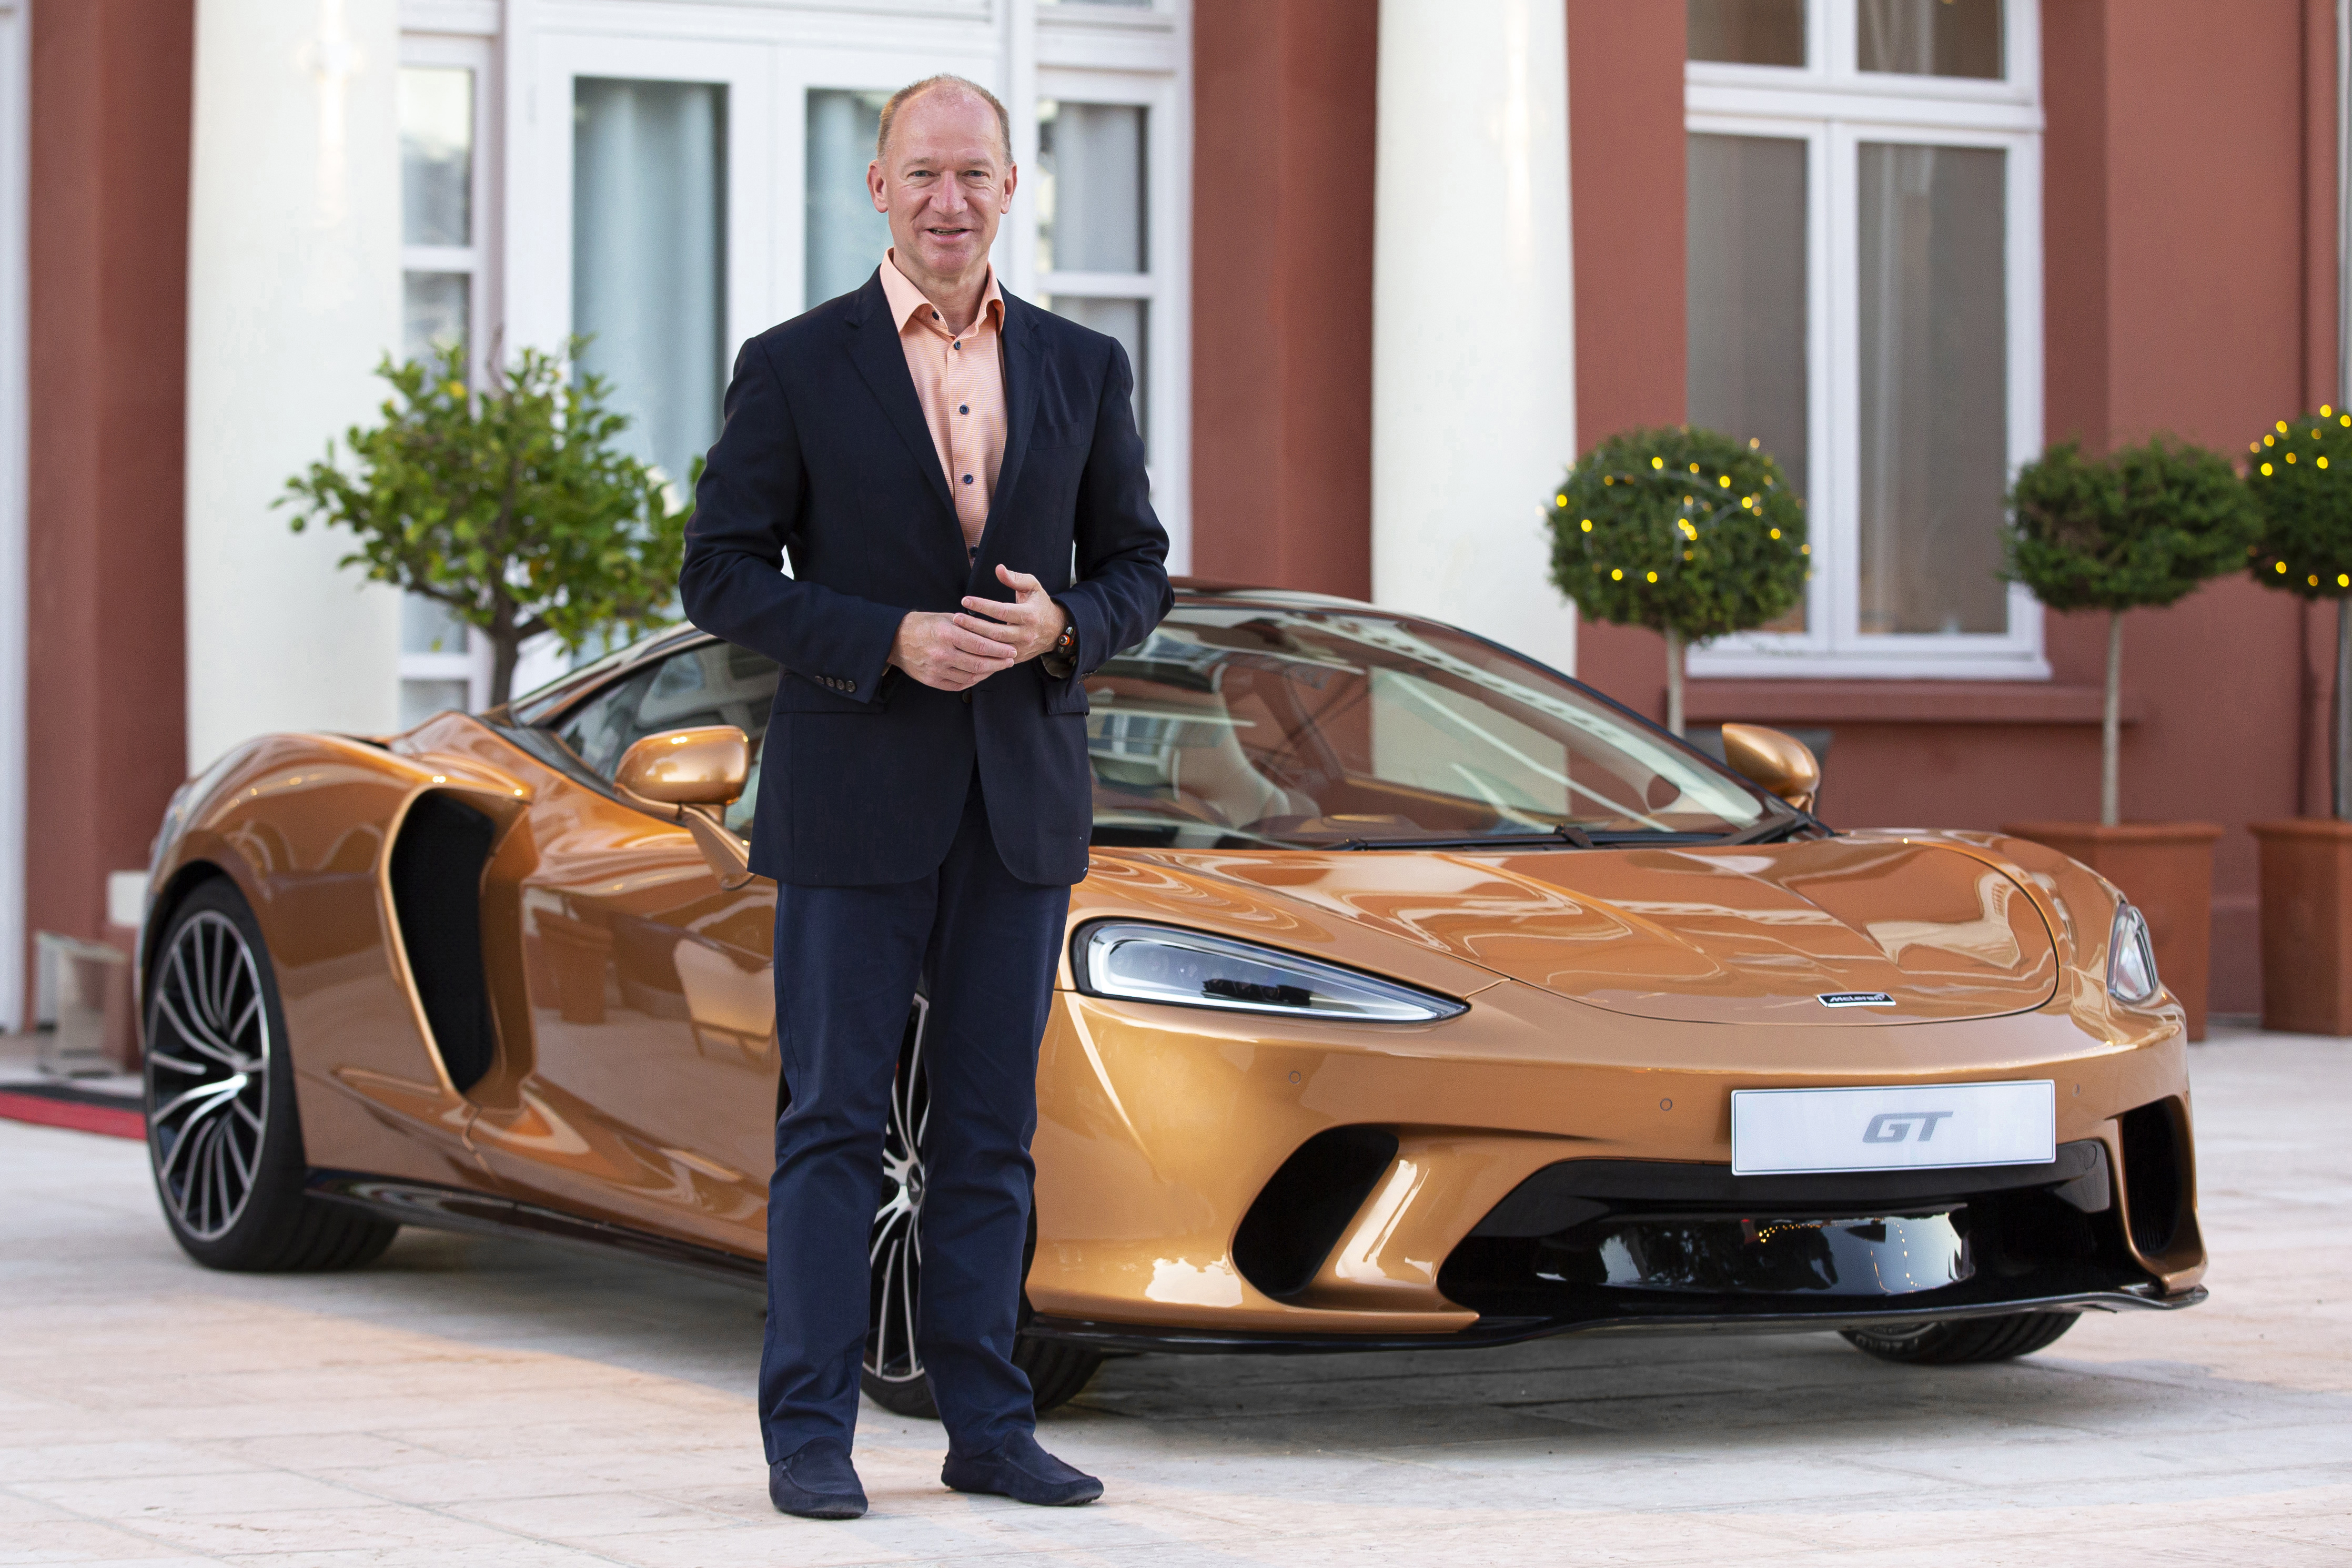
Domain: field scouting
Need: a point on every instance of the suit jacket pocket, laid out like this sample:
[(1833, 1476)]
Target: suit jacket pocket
[(1065, 696), (1078, 433)]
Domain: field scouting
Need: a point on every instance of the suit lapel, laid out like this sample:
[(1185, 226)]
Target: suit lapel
[(1020, 413), (875, 349)]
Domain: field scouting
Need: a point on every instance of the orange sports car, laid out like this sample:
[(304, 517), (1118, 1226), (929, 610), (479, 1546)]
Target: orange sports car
[(1418, 996)]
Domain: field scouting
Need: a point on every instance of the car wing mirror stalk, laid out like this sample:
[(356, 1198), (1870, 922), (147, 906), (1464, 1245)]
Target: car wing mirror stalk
[(689, 776)]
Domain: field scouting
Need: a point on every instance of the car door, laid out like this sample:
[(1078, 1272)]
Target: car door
[(650, 1091)]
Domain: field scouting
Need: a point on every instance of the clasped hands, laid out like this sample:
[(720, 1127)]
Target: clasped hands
[(955, 652)]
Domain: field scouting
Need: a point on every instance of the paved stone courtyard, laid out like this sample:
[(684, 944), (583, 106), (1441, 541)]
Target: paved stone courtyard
[(469, 1402)]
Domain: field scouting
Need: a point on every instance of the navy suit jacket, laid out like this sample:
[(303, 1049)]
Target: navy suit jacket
[(825, 455)]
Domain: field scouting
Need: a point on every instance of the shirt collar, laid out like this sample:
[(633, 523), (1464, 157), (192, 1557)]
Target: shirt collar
[(908, 302)]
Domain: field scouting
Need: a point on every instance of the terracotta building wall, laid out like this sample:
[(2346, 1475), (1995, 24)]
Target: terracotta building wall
[(1282, 292), (108, 280), (1626, 174), (2188, 286)]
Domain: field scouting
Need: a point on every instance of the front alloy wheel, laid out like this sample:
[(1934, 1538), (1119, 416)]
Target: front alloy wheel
[(893, 1374), (207, 1074), (223, 1135)]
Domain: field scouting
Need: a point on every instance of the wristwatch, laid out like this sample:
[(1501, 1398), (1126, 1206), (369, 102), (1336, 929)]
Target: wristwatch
[(1061, 660)]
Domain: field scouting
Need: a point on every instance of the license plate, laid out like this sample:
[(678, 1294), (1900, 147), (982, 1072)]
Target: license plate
[(1785, 1132)]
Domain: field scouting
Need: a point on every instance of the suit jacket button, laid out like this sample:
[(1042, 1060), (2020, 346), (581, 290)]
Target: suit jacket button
[(966, 696)]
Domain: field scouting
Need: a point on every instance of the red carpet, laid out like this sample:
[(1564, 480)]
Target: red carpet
[(44, 1112)]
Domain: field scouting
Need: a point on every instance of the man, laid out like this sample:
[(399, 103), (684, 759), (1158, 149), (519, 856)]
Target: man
[(957, 479)]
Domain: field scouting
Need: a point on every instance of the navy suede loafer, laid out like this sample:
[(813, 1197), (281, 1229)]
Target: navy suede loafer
[(1018, 1469), (817, 1481)]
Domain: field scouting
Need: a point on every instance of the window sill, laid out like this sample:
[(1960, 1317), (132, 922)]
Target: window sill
[(1897, 702)]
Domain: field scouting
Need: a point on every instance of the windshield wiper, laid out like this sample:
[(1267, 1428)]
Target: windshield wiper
[(1566, 833)]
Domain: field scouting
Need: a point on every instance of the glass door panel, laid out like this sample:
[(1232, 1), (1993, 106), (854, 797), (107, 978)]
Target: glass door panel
[(845, 236), (1933, 387), (649, 259)]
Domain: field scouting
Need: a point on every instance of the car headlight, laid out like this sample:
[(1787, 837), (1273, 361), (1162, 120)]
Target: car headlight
[(2131, 958), (1162, 964)]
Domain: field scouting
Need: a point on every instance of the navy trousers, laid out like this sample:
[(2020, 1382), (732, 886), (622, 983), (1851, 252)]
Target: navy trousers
[(848, 960)]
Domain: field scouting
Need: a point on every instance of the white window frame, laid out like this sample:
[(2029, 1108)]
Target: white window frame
[(771, 56), (1833, 108), (479, 53)]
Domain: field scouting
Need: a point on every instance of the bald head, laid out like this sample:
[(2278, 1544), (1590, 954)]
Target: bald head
[(932, 87)]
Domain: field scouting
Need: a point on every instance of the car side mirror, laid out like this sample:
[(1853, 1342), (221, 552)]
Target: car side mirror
[(689, 776), (702, 766), (1780, 763)]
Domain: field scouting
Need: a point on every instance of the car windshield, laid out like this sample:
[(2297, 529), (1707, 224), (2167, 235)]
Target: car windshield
[(1242, 722)]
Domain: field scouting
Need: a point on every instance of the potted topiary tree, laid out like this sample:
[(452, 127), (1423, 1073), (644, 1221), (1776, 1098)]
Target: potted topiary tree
[(2300, 475), (508, 504), (2140, 527), (1686, 531)]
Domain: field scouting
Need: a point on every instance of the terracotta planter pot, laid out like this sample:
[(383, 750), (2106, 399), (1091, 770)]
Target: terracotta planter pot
[(2167, 870), (2306, 924)]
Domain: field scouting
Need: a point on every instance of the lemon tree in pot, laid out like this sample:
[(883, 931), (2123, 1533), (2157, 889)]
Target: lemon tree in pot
[(2300, 475), (509, 503), (1683, 530), (2138, 528)]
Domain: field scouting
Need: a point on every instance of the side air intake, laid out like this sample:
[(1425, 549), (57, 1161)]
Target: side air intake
[(436, 888), (1305, 1208), (2159, 1191)]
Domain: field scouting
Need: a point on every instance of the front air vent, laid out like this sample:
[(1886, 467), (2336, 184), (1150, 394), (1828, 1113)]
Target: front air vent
[(2158, 1185), (436, 887), (1305, 1208)]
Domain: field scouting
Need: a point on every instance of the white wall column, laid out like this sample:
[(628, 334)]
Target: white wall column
[(1473, 405), (293, 293), (16, 132)]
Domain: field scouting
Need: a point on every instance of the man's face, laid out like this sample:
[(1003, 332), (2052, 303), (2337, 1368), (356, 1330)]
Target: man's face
[(944, 181)]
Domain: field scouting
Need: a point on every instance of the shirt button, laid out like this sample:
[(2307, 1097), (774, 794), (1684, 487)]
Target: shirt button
[(957, 344), (963, 408), (967, 478), (935, 315)]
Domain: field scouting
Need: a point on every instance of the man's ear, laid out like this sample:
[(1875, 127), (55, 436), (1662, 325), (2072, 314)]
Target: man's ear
[(878, 187)]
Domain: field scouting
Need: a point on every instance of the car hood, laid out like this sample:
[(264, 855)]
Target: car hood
[(1748, 935)]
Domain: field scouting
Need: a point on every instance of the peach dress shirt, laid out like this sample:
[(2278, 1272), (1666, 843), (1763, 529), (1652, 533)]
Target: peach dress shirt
[(960, 382)]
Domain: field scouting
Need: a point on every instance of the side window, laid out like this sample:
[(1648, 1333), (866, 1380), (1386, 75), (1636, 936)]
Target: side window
[(715, 682)]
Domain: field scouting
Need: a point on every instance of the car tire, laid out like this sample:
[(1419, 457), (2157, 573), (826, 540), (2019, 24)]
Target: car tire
[(892, 1374), (1965, 1343), (223, 1136)]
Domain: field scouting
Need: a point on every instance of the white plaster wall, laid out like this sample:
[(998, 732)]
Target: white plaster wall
[(293, 293), (1474, 406)]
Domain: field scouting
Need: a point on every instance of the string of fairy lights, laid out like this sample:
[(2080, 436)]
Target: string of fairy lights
[(2278, 443), (1693, 512)]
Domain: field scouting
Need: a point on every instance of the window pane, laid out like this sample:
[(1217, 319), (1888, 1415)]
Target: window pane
[(420, 700), (428, 626), (1746, 293), (648, 257), (716, 683), (1126, 321), (437, 155), (434, 308), (1090, 187), (1935, 377), (846, 237), (1929, 37), (1748, 32)]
